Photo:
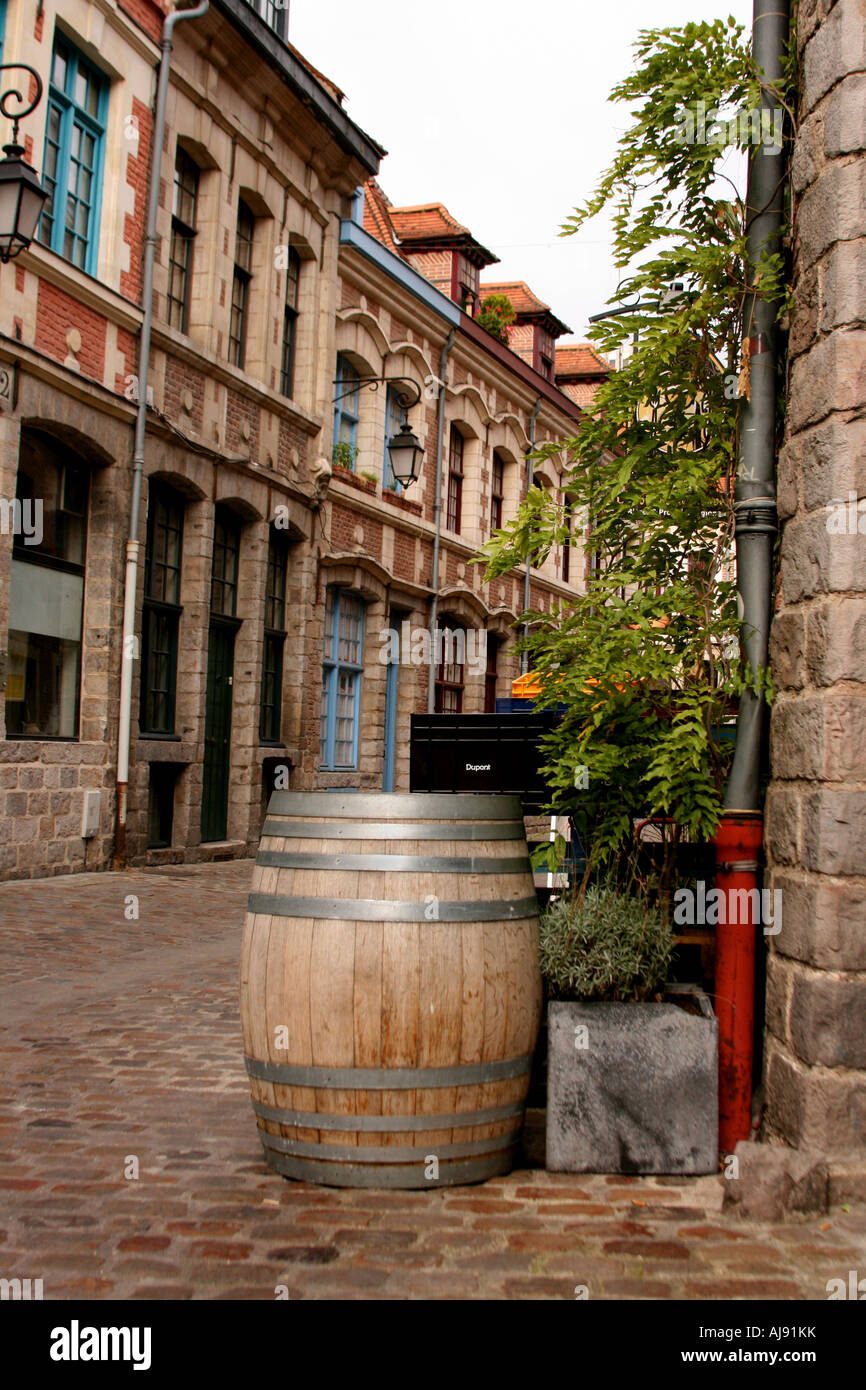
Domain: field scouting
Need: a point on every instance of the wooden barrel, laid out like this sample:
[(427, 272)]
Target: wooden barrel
[(390, 988)]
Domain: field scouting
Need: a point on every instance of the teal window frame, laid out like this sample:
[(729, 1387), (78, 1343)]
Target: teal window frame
[(342, 674), (74, 124), (347, 405)]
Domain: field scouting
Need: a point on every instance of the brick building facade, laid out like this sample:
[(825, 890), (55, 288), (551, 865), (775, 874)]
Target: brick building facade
[(270, 578)]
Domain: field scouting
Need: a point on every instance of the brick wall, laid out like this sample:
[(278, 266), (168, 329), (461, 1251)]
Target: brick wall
[(57, 313), (815, 1063), (133, 223)]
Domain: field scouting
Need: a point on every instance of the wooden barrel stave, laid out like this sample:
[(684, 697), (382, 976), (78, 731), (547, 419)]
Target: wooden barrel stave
[(365, 980)]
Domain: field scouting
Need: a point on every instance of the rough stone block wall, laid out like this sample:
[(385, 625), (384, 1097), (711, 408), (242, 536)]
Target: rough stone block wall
[(815, 1059)]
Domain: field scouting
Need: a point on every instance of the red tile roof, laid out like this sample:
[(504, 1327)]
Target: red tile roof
[(429, 225), (527, 304), (580, 360), (377, 217), (426, 222)]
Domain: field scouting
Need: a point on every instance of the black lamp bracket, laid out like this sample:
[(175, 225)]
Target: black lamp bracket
[(26, 106), (408, 395)]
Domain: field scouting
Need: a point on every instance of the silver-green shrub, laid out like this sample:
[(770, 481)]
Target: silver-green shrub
[(609, 945)]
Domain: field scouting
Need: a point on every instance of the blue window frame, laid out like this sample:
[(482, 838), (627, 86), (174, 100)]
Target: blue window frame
[(394, 416), (347, 410), (342, 668), (74, 154)]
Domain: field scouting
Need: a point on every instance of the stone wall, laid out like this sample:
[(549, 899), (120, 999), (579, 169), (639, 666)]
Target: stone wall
[(815, 1060)]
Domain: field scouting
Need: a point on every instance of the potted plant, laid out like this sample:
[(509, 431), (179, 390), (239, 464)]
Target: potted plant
[(632, 1078), (343, 455), (497, 314)]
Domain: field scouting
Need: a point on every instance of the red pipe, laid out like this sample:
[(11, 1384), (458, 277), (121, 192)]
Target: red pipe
[(738, 844)]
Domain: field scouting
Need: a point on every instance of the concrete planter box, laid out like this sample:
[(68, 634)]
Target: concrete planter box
[(636, 1092)]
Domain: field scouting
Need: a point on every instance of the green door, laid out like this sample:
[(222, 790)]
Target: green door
[(217, 731)]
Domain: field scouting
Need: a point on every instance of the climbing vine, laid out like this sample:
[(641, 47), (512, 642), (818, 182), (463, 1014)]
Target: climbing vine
[(646, 661)]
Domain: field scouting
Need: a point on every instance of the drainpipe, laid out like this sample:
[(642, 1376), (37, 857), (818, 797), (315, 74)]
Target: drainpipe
[(128, 648), (524, 656), (437, 517), (739, 839)]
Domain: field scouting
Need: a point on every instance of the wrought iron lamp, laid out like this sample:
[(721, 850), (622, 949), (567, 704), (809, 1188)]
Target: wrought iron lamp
[(405, 450), (22, 196)]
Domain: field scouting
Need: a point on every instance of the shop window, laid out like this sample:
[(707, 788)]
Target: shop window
[(46, 590)]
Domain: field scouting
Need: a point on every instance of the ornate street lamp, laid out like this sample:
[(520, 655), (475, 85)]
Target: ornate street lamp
[(22, 196), (404, 449), (405, 452)]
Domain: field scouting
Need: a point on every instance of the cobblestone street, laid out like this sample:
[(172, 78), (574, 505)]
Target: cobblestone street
[(121, 1038)]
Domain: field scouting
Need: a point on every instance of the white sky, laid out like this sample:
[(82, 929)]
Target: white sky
[(499, 110)]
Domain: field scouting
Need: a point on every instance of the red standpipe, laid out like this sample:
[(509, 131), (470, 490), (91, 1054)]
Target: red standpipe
[(738, 844)]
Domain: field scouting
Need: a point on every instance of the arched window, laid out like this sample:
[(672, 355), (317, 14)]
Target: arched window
[(450, 658), (46, 589)]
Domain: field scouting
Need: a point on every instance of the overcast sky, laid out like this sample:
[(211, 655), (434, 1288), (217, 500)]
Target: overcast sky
[(498, 109)]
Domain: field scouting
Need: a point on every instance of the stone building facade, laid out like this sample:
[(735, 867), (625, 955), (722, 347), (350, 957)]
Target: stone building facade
[(270, 577), (815, 1058)]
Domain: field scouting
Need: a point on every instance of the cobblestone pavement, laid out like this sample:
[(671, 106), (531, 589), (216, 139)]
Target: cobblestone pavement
[(121, 1038)]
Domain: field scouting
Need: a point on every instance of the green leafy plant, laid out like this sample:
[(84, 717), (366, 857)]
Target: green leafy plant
[(647, 660), (497, 314), (604, 944), (371, 477), (343, 455)]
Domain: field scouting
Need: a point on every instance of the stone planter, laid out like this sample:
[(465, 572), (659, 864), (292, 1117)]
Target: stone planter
[(633, 1088)]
